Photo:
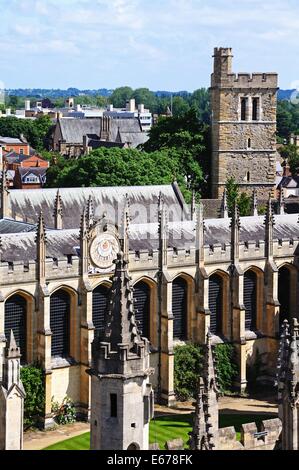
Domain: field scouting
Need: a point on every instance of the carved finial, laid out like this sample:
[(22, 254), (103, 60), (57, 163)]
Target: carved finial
[(254, 204), (84, 226), (41, 230), (58, 211), (236, 222), (281, 202), (126, 228), (193, 205), (224, 206), (13, 349), (89, 211), (269, 219)]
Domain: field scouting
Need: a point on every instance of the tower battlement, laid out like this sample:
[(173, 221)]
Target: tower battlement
[(243, 126)]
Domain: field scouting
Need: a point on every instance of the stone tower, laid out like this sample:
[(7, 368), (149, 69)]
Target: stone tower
[(288, 386), (122, 400), (204, 435), (243, 127), (12, 396)]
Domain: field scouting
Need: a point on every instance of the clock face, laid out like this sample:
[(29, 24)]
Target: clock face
[(103, 250)]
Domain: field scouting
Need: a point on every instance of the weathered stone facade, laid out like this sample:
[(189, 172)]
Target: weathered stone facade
[(175, 266), (243, 127)]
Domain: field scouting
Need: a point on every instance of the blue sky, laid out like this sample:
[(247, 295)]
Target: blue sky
[(160, 44)]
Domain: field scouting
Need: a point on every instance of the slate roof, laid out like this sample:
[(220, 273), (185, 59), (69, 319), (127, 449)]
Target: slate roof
[(286, 182), (73, 130), (130, 130), (11, 140), (14, 226), (27, 204), (22, 246)]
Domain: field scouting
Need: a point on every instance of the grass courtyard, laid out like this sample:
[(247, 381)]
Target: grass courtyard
[(168, 427)]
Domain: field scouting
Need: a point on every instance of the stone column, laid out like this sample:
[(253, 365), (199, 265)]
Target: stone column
[(86, 338), (166, 378), (238, 325), (2, 335), (238, 308)]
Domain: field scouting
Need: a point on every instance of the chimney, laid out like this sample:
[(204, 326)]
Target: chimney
[(8, 111), (141, 108), (27, 105), (286, 169)]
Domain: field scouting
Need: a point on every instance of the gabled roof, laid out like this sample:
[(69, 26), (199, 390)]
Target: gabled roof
[(25, 204), (289, 182)]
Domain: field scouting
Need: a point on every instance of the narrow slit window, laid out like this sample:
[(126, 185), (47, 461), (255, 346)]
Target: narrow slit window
[(244, 102), (248, 177), (113, 405), (255, 109), (249, 143)]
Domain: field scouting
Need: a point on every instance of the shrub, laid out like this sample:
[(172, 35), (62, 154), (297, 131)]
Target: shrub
[(187, 368), (64, 413), (226, 367), (33, 380), (188, 361)]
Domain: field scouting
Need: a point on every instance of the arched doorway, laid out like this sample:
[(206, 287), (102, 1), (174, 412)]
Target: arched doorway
[(100, 297), (179, 308), (15, 319), (133, 446), (216, 303), (142, 297), (284, 294), (250, 299), (60, 306)]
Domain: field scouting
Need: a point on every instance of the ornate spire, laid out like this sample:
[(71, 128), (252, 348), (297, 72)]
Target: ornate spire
[(41, 240), (281, 202), (235, 234), (126, 228), (121, 326), (58, 211), (224, 206), (294, 363), (254, 204), (4, 195), (269, 227), (90, 211), (204, 435), (200, 232), (41, 230), (163, 231), (193, 205), (84, 238)]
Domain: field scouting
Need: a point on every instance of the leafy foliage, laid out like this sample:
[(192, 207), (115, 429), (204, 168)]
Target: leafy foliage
[(64, 413), (234, 197), (34, 384), (226, 366), (188, 362), (188, 139), (117, 167), (34, 131), (287, 119), (187, 369), (291, 154)]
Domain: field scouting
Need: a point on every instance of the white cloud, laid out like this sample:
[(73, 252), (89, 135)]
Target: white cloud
[(176, 36)]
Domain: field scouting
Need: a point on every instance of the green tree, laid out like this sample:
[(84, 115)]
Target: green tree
[(120, 96), (34, 384), (187, 370), (234, 197), (200, 101), (34, 131), (146, 97), (116, 167), (291, 154), (179, 106), (187, 139)]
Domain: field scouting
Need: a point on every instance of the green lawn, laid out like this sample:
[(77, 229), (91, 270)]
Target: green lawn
[(167, 428)]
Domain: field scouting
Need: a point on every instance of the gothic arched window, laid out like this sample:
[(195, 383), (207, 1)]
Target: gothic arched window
[(60, 306), (179, 308), (15, 319)]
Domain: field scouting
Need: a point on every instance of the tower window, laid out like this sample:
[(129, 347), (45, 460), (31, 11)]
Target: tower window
[(244, 105), (249, 143), (113, 405), (255, 109), (248, 177)]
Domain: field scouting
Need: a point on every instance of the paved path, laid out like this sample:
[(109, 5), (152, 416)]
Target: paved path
[(37, 440)]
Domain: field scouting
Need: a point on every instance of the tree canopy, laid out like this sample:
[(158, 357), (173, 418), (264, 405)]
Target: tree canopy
[(287, 119), (117, 167), (188, 140), (35, 131)]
